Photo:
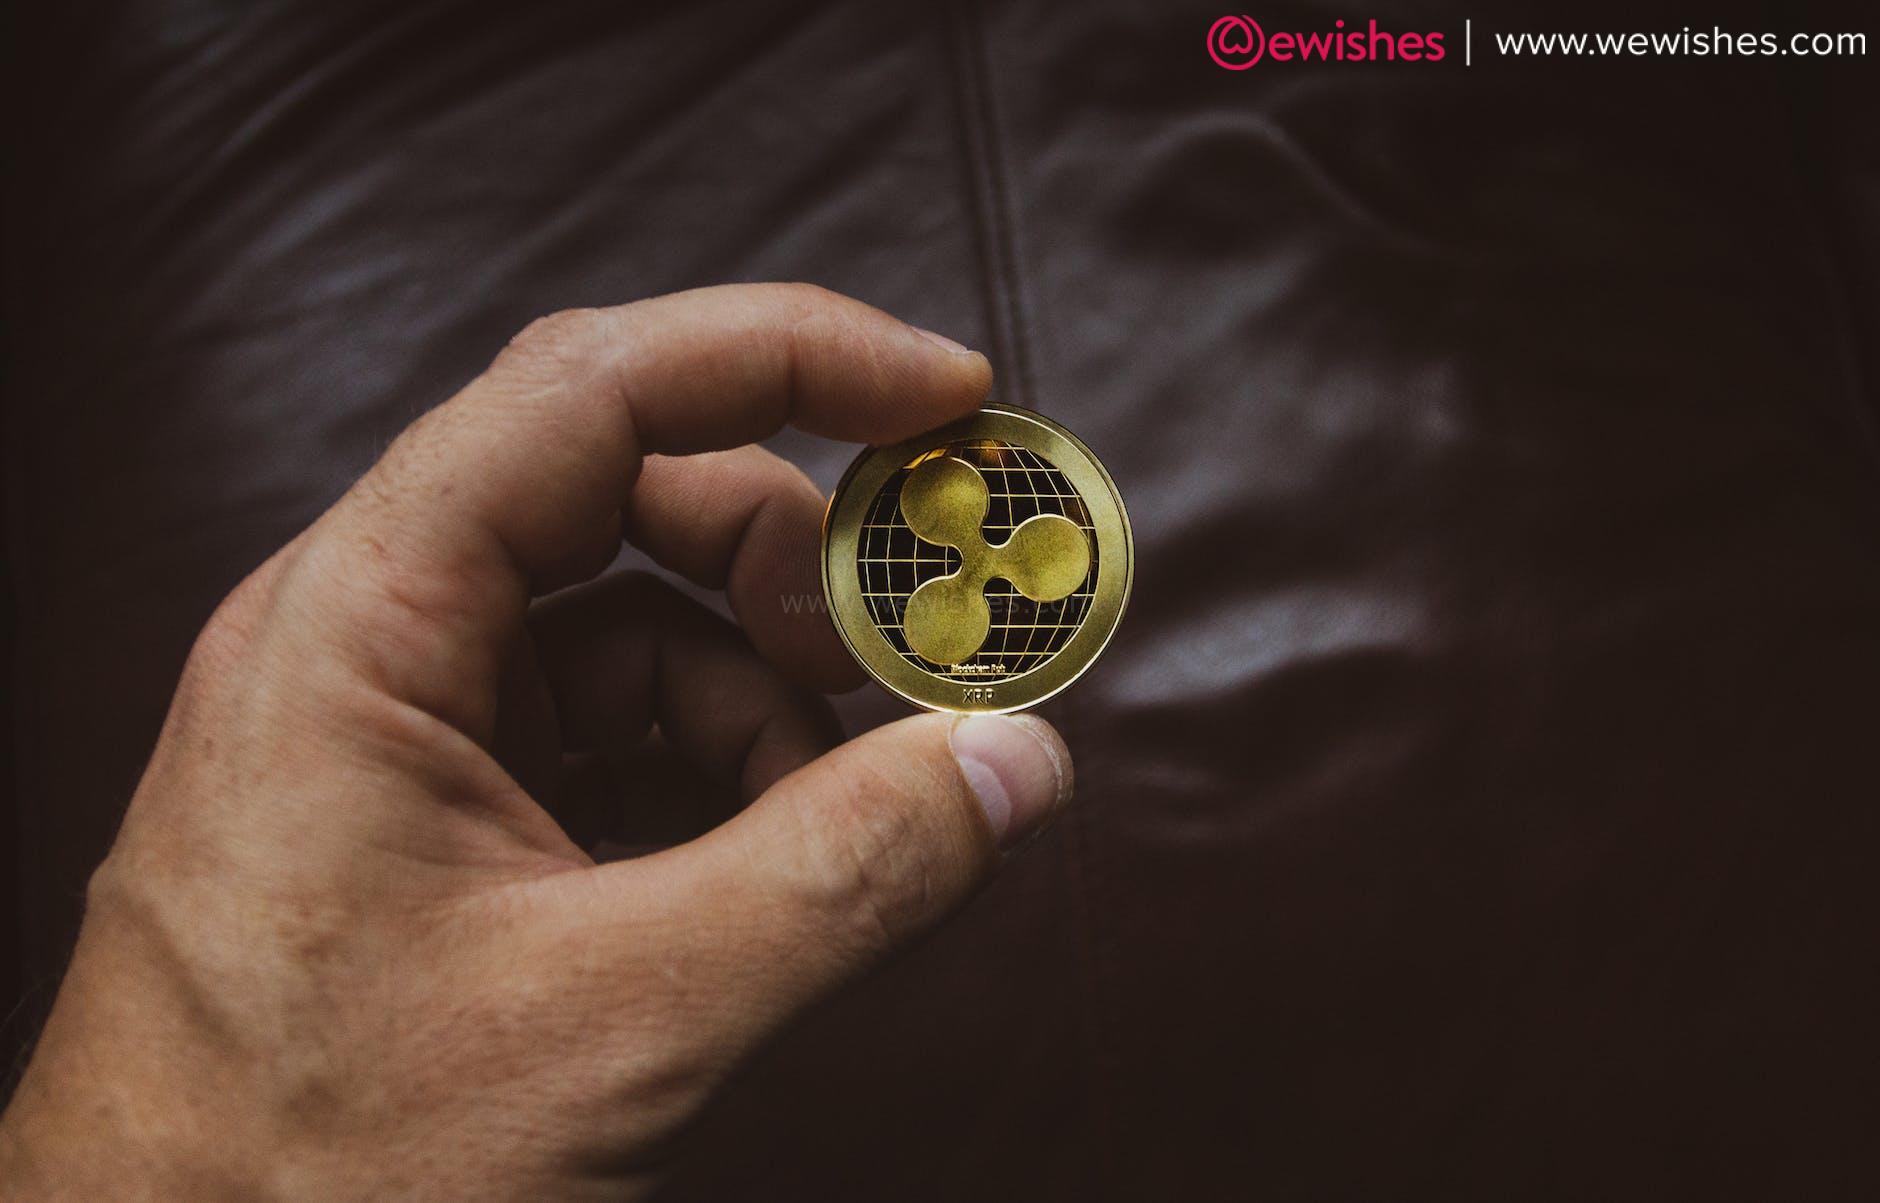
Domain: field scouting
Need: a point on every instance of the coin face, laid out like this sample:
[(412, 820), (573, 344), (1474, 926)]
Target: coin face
[(980, 567)]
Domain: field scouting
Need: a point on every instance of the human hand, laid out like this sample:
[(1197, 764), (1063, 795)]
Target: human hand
[(341, 950)]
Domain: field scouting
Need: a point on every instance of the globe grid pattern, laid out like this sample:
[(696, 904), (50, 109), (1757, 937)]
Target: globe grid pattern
[(892, 561)]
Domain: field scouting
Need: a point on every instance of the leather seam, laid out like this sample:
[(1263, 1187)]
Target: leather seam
[(990, 204)]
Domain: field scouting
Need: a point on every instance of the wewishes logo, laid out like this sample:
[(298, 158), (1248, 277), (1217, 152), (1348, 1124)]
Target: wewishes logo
[(1237, 43)]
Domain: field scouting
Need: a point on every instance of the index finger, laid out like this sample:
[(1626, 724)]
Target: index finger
[(528, 467)]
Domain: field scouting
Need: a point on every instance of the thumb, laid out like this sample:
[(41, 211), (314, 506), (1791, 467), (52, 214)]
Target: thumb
[(853, 855)]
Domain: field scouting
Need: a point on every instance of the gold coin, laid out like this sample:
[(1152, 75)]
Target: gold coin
[(980, 567)]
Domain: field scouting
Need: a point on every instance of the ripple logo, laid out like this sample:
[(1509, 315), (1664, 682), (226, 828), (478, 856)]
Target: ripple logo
[(1236, 43), (945, 502)]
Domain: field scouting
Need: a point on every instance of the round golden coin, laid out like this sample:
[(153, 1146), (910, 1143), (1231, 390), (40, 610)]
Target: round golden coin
[(980, 567)]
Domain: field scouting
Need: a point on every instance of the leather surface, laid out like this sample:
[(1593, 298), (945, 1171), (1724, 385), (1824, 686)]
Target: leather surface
[(1478, 799)]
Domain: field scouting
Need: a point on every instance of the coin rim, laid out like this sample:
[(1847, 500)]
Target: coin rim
[(855, 493)]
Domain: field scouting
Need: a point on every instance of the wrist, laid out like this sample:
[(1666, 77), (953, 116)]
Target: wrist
[(67, 1135), (98, 1113)]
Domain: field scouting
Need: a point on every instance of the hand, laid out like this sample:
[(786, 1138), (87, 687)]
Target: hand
[(340, 949)]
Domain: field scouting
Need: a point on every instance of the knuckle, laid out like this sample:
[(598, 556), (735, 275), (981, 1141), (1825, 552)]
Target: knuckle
[(813, 309), (107, 887), (809, 296), (834, 338), (413, 450), (795, 478), (230, 633), (127, 889), (225, 638), (558, 339)]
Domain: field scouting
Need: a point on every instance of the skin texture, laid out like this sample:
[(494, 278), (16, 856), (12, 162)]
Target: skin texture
[(341, 949)]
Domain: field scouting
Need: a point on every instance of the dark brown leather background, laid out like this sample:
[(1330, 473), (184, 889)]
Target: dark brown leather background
[(1479, 799)]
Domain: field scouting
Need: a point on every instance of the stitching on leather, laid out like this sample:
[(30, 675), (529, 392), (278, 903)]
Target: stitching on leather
[(991, 205)]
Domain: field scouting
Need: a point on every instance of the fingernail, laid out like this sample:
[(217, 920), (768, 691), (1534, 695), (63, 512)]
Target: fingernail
[(943, 342), (1018, 768)]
